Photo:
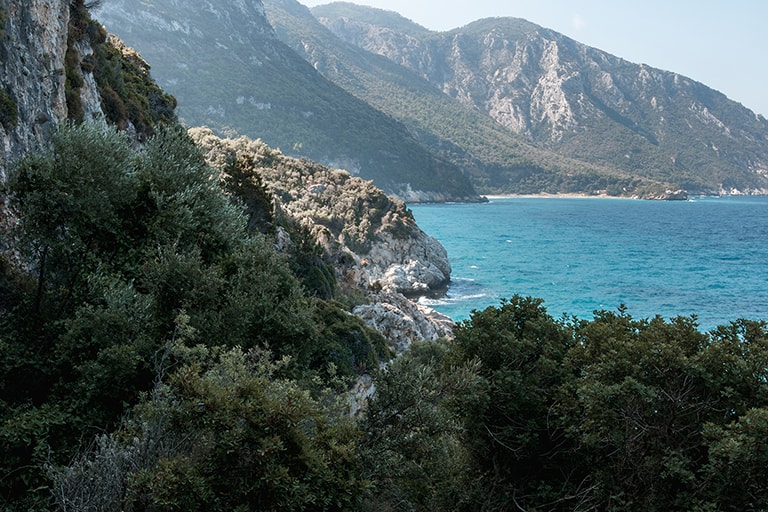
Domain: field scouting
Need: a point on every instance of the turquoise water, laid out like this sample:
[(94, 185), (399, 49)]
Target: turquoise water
[(706, 256)]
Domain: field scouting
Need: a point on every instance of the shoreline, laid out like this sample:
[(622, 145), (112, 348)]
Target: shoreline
[(545, 195)]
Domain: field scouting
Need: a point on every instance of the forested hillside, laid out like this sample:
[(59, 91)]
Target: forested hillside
[(157, 354), (498, 160)]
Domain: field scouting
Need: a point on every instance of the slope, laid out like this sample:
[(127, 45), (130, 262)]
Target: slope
[(498, 159), (228, 71), (577, 100)]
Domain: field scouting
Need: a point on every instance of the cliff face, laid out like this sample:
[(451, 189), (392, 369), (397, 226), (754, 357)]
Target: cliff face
[(578, 100), (33, 47), (57, 63)]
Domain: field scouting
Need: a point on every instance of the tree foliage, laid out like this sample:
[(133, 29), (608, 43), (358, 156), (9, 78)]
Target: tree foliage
[(125, 250), (608, 414), (223, 433), (157, 353)]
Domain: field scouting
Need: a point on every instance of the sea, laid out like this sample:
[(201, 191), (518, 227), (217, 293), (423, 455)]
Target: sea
[(707, 256)]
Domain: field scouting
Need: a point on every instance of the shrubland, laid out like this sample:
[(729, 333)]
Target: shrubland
[(158, 353)]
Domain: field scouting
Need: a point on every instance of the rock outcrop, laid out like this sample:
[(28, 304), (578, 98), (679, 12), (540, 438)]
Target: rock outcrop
[(672, 195), (373, 240), (33, 45), (403, 321)]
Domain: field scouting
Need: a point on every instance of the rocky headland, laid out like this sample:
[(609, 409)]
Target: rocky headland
[(54, 68), (372, 239)]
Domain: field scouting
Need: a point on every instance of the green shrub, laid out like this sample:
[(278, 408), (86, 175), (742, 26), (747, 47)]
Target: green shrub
[(129, 95), (8, 110), (222, 434)]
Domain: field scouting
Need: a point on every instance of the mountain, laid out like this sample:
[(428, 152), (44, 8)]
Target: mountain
[(576, 100), (498, 159), (229, 71)]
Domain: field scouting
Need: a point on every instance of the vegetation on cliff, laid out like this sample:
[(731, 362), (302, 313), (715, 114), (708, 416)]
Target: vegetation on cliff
[(126, 257), (8, 110), (127, 92)]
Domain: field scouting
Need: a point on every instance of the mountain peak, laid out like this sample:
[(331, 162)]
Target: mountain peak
[(371, 15), (581, 102)]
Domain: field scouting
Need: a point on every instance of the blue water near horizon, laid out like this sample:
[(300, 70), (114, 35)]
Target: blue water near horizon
[(706, 257)]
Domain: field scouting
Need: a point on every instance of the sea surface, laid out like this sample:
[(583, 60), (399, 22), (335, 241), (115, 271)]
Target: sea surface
[(706, 257)]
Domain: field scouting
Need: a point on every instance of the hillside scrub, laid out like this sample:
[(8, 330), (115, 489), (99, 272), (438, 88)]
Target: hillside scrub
[(124, 251), (129, 95), (158, 353)]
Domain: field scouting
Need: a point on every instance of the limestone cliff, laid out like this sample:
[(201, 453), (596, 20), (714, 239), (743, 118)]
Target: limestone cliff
[(33, 46), (57, 63)]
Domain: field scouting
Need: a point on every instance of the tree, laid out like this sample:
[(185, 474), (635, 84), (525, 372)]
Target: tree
[(414, 451), (71, 204), (121, 244), (657, 403), (516, 431), (223, 433)]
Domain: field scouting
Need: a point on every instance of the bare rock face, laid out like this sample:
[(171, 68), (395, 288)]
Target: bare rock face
[(403, 321), (33, 46), (32, 49)]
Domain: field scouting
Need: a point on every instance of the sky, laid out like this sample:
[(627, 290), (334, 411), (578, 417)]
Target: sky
[(721, 43)]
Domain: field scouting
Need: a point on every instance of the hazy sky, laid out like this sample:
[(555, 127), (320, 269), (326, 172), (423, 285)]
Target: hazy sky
[(722, 43)]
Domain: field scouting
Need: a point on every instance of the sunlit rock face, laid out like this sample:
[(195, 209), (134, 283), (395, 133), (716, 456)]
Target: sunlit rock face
[(33, 49)]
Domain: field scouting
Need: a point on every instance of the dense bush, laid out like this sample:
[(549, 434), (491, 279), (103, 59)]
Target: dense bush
[(123, 252), (526, 412), (222, 434), (157, 354)]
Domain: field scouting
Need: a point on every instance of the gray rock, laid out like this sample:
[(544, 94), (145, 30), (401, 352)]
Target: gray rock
[(403, 321), (33, 47)]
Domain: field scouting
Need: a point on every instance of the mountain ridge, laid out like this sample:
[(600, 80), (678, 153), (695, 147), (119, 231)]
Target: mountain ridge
[(578, 100), (499, 160), (234, 75)]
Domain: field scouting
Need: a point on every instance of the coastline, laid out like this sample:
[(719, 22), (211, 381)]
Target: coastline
[(545, 195)]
